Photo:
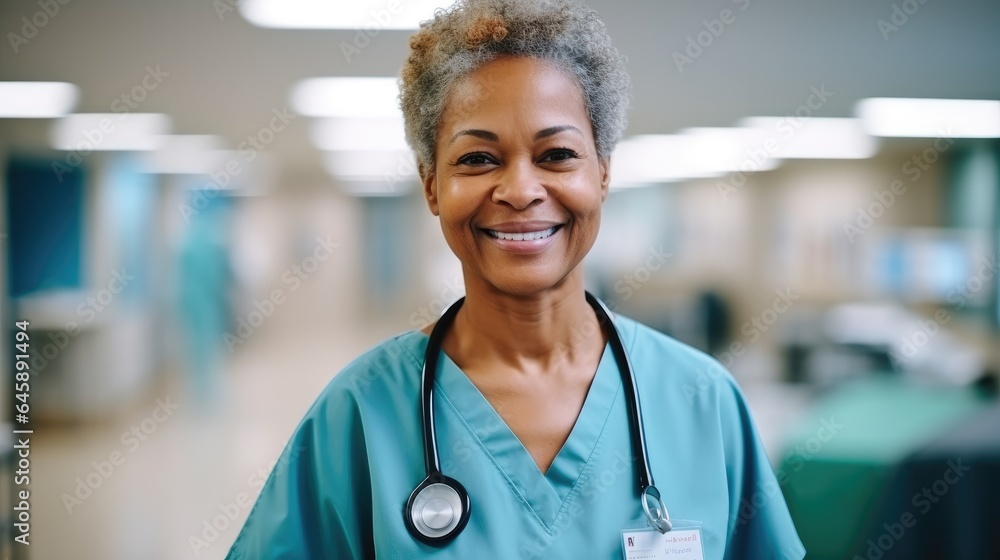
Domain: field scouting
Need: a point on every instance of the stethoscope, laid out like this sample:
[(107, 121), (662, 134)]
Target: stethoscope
[(439, 507)]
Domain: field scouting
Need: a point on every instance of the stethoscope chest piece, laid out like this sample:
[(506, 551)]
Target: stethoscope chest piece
[(437, 510)]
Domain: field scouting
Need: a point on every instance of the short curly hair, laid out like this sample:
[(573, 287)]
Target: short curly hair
[(471, 33)]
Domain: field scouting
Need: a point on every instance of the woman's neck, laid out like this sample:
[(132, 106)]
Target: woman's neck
[(534, 332)]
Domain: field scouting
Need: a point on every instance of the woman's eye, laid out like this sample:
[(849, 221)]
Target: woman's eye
[(562, 154), (475, 159)]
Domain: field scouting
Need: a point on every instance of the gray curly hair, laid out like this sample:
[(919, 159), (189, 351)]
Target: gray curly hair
[(471, 33)]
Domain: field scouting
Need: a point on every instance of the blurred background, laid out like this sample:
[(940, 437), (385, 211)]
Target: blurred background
[(207, 209)]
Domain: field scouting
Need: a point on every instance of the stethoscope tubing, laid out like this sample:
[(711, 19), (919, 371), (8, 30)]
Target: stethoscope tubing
[(432, 463), (636, 431), (438, 509)]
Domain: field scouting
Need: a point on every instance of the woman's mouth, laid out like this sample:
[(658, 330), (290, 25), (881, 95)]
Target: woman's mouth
[(535, 240), (522, 236)]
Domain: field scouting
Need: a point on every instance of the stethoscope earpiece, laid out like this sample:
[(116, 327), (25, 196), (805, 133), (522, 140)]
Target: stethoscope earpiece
[(437, 510)]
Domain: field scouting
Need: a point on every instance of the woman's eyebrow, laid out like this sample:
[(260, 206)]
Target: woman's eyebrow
[(492, 137), (556, 130), (484, 134)]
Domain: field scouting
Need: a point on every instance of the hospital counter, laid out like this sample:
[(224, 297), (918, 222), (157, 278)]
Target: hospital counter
[(847, 471)]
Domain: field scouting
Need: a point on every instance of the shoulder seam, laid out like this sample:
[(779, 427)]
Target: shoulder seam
[(416, 361)]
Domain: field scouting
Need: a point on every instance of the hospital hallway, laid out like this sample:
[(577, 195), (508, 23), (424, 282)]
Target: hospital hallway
[(196, 465), (209, 209)]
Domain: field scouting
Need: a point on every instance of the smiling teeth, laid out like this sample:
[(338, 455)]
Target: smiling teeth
[(525, 236)]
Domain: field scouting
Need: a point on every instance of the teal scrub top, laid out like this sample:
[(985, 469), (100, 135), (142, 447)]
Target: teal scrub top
[(339, 489)]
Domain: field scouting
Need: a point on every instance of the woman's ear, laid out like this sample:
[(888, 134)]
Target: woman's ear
[(429, 182), (605, 166)]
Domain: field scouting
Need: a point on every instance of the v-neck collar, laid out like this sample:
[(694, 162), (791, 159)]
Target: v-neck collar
[(545, 494)]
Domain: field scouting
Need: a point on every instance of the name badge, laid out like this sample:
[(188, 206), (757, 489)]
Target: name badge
[(681, 543)]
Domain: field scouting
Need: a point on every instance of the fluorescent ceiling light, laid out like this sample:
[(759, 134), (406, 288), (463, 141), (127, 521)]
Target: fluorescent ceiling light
[(640, 160), (396, 170), (654, 158), (930, 118), (371, 187), (359, 133), (346, 97), (812, 138), (189, 155), (720, 150), (392, 166), (37, 100), (84, 132), (759, 144), (191, 143), (693, 154), (369, 15)]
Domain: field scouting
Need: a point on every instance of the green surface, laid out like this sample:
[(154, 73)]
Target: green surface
[(837, 462)]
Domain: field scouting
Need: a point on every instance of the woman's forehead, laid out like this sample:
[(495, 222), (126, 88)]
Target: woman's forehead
[(523, 88), (501, 73)]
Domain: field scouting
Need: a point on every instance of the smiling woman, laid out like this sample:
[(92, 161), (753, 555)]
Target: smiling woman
[(516, 178), (513, 109)]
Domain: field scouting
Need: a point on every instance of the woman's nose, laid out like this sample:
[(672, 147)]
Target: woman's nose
[(520, 185)]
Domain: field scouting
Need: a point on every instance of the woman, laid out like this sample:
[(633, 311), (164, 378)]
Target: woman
[(513, 108)]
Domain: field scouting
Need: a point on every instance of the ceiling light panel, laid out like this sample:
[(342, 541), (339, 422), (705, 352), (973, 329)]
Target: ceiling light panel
[(346, 97), (84, 132), (930, 118), (371, 16), (37, 100), (359, 133)]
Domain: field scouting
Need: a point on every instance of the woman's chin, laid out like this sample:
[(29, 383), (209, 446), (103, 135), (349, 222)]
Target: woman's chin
[(527, 284)]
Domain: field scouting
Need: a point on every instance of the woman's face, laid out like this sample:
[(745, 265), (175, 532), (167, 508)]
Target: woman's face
[(517, 182)]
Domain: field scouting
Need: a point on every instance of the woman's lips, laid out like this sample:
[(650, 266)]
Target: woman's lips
[(524, 242), (522, 236)]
